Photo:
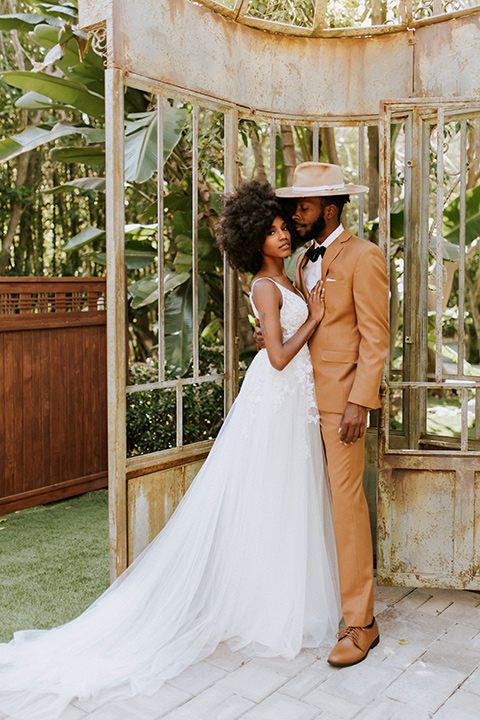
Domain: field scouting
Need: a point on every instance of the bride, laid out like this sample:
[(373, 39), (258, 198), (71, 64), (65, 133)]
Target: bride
[(248, 557)]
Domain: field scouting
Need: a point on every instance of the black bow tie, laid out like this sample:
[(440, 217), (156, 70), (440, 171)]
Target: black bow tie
[(313, 253)]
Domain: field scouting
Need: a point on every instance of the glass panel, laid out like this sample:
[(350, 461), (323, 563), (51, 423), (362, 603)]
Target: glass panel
[(150, 417), (186, 195), (290, 12), (203, 408), (460, 321), (444, 413), (396, 397), (428, 8), (363, 13)]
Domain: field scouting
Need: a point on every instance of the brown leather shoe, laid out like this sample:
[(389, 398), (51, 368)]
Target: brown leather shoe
[(353, 645)]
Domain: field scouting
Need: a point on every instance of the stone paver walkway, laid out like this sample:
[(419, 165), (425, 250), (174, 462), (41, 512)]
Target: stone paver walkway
[(426, 665)]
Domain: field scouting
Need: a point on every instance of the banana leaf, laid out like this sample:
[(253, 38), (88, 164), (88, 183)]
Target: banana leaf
[(34, 136), (85, 184), (23, 22), (145, 291), (141, 141), (71, 93), (451, 218), (179, 323), (83, 238), (93, 155)]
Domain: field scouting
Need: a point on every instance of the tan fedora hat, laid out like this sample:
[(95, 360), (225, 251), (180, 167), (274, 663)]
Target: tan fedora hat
[(312, 179)]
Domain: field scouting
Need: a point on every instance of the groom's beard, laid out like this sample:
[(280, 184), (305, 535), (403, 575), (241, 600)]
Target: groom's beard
[(317, 229)]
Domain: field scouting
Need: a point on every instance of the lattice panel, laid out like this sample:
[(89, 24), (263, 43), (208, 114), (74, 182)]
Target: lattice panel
[(30, 300)]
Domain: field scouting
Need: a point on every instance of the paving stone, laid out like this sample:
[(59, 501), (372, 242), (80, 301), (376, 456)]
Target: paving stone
[(360, 683), (378, 608), (387, 709), (473, 682), (288, 667), (467, 597), (280, 706), (304, 682), (443, 601), (398, 654), (474, 643), (151, 707), (253, 681), (227, 660), (204, 704), (449, 656), (231, 708), (466, 614), (415, 599), (462, 705), (197, 678), (412, 626), (391, 595), (329, 703), (460, 634), (428, 687)]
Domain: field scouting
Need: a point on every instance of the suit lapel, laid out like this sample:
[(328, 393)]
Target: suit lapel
[(333, 250)]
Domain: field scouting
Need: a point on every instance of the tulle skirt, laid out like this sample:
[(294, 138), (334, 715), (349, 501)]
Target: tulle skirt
[(248, 558)]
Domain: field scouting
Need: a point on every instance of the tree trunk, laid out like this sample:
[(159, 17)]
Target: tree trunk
[(330, 146), (473, 156), (379, 12), (288, 145), (260, 173), (18, 208)]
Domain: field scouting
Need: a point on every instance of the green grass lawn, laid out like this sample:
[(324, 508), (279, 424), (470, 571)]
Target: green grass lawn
[(53, 562)]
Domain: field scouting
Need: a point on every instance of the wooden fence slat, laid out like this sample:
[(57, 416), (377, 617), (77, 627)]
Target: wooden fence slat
[(53, 439), (29, 405), (10, 419)]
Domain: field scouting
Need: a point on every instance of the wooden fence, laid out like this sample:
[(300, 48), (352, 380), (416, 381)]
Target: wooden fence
[(53, 389)]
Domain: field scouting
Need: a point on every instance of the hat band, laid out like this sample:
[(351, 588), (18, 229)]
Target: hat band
[(318, 187)]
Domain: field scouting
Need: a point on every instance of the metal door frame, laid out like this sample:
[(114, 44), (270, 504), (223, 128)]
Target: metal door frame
[(409, 465)]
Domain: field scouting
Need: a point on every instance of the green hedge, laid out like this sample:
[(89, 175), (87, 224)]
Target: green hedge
[(151, 414)]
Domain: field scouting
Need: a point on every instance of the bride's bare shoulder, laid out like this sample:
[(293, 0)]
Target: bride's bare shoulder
[(264, 289)]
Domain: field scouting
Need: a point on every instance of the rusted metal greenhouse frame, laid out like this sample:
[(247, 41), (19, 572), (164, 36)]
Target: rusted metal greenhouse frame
[(413, 113), (311, 77)]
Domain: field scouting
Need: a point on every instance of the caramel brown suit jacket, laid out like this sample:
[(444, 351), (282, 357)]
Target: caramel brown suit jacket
[(349, 347)]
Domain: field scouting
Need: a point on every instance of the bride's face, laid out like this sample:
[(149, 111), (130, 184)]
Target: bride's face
[(277, 241)]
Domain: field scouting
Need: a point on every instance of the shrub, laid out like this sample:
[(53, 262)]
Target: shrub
[(151, 414)]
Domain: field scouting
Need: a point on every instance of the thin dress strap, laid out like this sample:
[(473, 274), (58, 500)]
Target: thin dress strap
[(264, 278)]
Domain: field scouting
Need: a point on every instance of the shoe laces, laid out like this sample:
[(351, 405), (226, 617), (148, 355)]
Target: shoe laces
[(350, 632)]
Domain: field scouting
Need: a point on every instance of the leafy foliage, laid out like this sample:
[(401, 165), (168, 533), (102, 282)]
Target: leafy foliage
[(151, 415)]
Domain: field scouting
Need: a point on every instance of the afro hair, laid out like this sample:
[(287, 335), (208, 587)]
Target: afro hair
[(247, 216)]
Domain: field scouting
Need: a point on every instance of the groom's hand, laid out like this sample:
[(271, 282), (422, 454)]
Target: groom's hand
[(258, 335), (353, 423)]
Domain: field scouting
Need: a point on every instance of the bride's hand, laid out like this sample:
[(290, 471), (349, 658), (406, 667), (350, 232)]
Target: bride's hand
[(316, 301)]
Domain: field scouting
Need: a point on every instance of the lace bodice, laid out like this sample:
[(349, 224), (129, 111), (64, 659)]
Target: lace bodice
[(297, 376), (293, 312)]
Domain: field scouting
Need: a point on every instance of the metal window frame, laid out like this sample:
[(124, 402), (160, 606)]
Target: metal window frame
[(116, 80), (416, 114)]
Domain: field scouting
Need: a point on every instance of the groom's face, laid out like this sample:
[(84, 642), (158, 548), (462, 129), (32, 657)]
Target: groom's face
[(309, 217)]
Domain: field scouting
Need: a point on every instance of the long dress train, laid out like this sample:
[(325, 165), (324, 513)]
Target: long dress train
[(248, 557)]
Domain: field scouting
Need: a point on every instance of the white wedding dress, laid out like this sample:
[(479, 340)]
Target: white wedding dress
[(248, 558)]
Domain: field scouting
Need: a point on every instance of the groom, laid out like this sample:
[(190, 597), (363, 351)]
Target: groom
[(348, 352)]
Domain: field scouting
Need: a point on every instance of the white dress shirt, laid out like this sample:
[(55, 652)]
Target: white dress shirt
[(312, 272)]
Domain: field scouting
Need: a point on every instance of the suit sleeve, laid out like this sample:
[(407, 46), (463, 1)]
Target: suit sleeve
[(370, 292)]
